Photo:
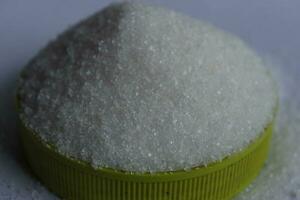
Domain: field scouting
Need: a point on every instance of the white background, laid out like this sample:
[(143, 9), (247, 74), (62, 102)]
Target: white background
[(271, 27)]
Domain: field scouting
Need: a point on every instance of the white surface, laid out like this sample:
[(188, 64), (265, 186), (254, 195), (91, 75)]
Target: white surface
[(272, 27)]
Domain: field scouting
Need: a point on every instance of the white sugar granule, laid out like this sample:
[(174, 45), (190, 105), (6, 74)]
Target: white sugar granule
[(142, 88)]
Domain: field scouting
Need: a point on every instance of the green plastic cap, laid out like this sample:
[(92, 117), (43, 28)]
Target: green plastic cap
[(73, 179)]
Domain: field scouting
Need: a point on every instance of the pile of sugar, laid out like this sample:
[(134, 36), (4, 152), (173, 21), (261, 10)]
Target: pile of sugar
[(142, 88)]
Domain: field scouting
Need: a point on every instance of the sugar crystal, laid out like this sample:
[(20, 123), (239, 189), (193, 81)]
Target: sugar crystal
[(142, 88)]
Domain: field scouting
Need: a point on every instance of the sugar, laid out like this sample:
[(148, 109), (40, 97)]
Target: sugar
[(144, 89)]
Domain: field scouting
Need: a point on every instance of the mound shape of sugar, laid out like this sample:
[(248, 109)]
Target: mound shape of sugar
[(142, 88)]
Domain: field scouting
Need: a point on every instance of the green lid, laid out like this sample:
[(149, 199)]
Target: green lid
[(73, 179)]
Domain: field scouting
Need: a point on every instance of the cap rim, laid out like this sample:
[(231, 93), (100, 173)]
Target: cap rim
[(74, 179)]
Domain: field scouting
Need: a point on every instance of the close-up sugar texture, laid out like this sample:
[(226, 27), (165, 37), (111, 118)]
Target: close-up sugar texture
[(138, 100)]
